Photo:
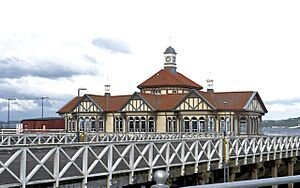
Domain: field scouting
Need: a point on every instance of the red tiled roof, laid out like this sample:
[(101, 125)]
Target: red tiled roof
[(235, 100), (114, 102), (70, 105), (164, 78), (163, 102)]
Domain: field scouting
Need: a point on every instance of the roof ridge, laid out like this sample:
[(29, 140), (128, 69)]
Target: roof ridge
[(234, 92)]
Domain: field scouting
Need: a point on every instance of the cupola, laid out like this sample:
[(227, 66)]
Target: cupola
[(170, 60)]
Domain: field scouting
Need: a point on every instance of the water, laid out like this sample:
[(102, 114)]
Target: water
[(281, 131)]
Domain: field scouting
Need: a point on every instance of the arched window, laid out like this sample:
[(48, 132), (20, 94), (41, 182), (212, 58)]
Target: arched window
[(228, 128), (151, 124), (120, 124), (81, 124), (174, 124), (169, 125), (87, 124), (93, 124), (211, 124), (194, 124), (186, 124), (222, 124), (131, 124), (137, 124), (202, 124), (243, 125), (143, 124), (101, 124)]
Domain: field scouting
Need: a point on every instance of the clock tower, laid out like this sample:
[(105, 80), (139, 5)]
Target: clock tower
[(170, 60)]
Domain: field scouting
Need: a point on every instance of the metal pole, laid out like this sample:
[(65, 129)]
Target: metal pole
[(8, 109), (42, 101), (225, 164), (78, 109)]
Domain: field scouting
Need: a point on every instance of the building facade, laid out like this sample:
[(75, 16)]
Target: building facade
[(49, 124), (168, 101)]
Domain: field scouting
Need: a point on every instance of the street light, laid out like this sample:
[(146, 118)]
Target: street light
[(8, 109), (78, 109), (42, 99)]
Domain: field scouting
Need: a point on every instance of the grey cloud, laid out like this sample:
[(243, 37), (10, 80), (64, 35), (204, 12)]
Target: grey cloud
[(112, 45), (90, 59), (283, 101), (16, 68)]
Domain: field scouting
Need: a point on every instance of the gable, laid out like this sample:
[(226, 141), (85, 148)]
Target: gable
[(137, 105), (255, 106), (87, 105), (194, 103)]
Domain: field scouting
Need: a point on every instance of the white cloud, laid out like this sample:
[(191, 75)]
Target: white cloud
[(246, 45)]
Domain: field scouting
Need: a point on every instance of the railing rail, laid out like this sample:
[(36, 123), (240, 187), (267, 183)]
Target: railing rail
[(21, 165), (70, 138)]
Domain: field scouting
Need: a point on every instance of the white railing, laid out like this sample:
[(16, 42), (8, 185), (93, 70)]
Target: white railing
[(70, 138), (29, 165)]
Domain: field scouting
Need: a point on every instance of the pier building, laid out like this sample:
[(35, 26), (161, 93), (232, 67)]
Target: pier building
[(168, 101)]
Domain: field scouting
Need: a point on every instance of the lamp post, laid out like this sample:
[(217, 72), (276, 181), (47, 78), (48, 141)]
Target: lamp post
[(78, 113), (42, 99), (8, 109)]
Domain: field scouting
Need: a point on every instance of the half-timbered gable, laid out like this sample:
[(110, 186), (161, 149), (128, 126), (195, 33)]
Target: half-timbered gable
[(194, 101), (255, 104), (87, 104), (137, 104)]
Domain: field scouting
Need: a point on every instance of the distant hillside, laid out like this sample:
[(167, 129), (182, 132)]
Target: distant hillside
[(285, 122), (3, 124)]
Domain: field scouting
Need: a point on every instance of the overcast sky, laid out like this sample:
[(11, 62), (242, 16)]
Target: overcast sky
[(51, 48)]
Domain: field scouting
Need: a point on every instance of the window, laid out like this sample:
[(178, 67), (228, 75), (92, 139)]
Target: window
[(143, 124), (202, 124), (228, 124), (174, 124), (243, 125), (93, 124), (131, 124), (222, 123), (211, 124), (81, 124), (137, 124), (87, 124), (101, 124), (194, 124), (118, 124), (186, 124), (151, 124)]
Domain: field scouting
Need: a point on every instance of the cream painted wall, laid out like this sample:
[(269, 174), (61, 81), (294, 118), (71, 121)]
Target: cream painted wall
[(161, 124)]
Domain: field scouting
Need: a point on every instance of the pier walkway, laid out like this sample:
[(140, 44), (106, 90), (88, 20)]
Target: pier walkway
[(128, 159)]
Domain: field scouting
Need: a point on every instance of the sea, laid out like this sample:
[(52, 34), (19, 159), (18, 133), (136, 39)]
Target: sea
[(280, 131)]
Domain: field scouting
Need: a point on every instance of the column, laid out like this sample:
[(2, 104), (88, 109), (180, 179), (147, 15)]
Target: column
[(275, 166), (291, 163), (234, 170)]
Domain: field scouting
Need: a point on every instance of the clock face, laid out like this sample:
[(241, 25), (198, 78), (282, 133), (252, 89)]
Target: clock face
[(168, 59)]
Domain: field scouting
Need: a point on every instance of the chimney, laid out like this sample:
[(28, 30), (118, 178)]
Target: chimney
[(210, 83), (107, 89)]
